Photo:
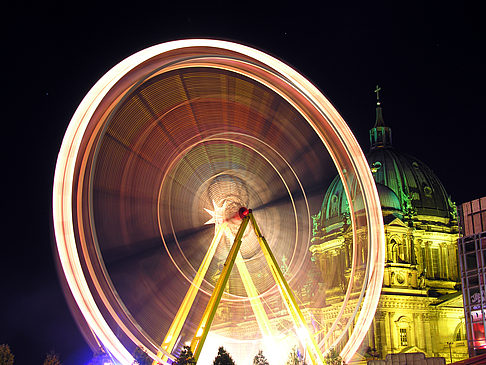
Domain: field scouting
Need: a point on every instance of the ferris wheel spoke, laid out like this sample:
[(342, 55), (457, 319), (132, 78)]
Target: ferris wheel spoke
[(129, 150), (297, 195), (195, 118), (141, 250), (119, 257)]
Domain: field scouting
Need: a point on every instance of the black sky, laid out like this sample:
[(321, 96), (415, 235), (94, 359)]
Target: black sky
[(428, 59)]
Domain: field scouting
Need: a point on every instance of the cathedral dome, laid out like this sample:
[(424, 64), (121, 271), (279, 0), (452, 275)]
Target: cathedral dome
[(415, 184), (335, 205), (406, 186)]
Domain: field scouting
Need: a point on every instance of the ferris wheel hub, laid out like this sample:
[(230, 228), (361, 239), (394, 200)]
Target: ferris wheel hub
[(243, 212)]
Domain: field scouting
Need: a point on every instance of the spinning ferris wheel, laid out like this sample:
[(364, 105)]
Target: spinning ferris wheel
[(155, 175)]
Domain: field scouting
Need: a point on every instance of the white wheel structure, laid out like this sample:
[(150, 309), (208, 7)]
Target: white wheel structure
[(187, 132)]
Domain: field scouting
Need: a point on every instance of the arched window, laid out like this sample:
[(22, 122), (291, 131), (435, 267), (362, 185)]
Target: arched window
[(397, 251), (404, 331), (394, 250), (460, 332)]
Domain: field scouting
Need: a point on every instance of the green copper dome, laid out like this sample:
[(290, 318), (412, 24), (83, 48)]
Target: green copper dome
[(406, 186), (419, 190), (335, 205)]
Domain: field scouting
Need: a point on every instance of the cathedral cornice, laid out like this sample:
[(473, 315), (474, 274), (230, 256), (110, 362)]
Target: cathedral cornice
[(327, 246), (404, 292)]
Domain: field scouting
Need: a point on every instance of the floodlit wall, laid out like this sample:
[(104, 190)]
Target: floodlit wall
[(415, 358)]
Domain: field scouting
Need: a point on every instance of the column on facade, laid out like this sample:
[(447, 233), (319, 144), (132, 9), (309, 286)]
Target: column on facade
[(434, 328), (375, 329), (428, 260), (449, 262), (411, 246), (444, 261), (453, 261), (406, 248), (419, 258), (390, 338), (411, 331), (380, 334), (419, 331), (427, 334)]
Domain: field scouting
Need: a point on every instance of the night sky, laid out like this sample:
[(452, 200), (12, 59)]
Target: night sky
[(428, 59)]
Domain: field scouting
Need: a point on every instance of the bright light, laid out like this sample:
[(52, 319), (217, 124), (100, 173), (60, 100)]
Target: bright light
[(303, 335), (275, 349), (217, 214)]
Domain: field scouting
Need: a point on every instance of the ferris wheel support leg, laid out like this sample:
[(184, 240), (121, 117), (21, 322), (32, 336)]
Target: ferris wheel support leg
[(252, 293), (208, 316), (255, 302), (175, 328), (305, 336)]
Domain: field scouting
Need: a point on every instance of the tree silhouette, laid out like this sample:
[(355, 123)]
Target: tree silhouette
[(223, 358), (52, 359), (260, 359), (186, 357), (333, 357), (6, 356), (372, 352), (293, 358)]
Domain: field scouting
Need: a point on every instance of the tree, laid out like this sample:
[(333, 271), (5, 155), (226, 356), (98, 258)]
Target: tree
[(293, 358), (260, 359), (186, 357), (372, 352), (333, 357), (223, 358), (141, 357), (6, 356), (52, 359)]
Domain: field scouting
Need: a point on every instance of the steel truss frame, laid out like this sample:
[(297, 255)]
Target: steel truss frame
[(234, 256)]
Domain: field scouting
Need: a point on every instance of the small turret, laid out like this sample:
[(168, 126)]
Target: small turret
[(380, 135)]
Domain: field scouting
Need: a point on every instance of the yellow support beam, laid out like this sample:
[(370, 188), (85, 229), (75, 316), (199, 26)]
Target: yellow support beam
[(300, 326), (252, 293), (255, 302), (175, 328), (208, 316), (234, 256)]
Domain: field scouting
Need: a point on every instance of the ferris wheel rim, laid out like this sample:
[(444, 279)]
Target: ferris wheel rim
[(63, 188)]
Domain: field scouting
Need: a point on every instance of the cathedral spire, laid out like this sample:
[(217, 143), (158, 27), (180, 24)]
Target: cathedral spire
[(380, 135), (379, 114)]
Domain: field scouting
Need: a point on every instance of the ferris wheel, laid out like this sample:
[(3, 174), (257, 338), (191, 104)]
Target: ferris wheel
[(181, 207)]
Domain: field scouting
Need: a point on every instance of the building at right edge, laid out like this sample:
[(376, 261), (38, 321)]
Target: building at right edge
[(472, 259)]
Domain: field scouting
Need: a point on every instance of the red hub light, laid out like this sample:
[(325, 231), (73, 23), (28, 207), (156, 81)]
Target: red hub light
[(243, 212)]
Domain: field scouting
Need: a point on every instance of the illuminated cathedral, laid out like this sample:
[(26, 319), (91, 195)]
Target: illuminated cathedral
[(421, 306)]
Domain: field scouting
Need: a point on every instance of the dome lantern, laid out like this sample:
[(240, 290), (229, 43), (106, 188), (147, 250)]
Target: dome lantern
[(380, 135)]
